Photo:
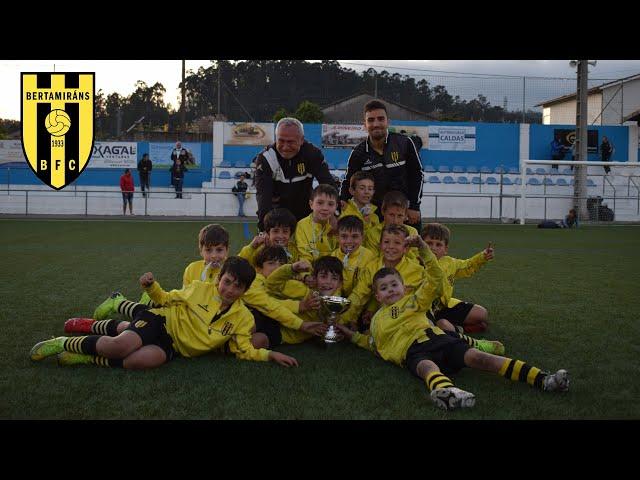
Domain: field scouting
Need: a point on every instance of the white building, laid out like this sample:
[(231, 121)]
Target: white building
[(611, 103)]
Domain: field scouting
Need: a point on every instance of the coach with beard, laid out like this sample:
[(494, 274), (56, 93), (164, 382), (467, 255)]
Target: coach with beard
[(393, 160)]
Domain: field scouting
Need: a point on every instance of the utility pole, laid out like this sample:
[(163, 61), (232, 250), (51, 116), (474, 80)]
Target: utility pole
[(219, 89), (182, 109), (581, 150), (375, 83)]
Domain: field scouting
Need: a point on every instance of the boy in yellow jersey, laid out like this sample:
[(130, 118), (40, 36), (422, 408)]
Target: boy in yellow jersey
[(394, 245), (279, 227), (449, 312), (401, 333), (361, 188), (213, 244), (327, 273), (394, 208), (315, 234), (353, 255), (195, 320), (270, 313)]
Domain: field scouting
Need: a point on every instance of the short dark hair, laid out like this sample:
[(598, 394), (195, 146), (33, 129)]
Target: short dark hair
[(351, 223), (270, 253), (394, 230), (280, 217), (328, 264), (437, 231), (240, 269), (394, 198), (324, 189), (374, 105), (359, 176), (383, 272), (213, 234)]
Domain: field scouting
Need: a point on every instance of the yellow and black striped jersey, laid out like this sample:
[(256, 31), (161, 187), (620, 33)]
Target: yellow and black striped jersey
[(249, 253), (257, 297), (395, 327), (313, 240), (412, 274), (352, 209), (456, 268), (353, 264), (372, 240), (194, 324), (199, 271)]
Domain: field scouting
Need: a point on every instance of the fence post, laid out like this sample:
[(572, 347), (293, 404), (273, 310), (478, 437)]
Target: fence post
[(26, 203), (146, 198), (491, 207), (436, 215), (545, 207), (205, 204), (86, 203)]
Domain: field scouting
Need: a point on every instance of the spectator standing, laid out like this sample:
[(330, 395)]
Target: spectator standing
[(127, 187), (606, 150), (557, 150), (144, 171), (177, 176), (240, 191)]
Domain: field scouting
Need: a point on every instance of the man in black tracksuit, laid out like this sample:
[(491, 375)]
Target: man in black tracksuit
[(392, 159), (285, 171)]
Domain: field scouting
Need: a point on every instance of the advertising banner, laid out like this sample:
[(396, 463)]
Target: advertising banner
[(452, 138), (114, 155), (248, 133), (342, 136)]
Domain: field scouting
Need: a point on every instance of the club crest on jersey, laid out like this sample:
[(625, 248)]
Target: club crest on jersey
[(395, 311), (301, 169), (57, 114), (140, 323), (395, 156)]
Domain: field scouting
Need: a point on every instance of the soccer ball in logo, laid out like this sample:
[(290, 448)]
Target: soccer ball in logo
[(57, 122)]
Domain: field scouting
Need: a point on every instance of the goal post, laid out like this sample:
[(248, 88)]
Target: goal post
[(569, 163)]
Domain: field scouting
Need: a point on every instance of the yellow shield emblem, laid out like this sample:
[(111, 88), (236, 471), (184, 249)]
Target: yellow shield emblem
[(57, 112), (301, 168)]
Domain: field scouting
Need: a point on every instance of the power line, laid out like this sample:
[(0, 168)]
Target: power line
[(467, 74)]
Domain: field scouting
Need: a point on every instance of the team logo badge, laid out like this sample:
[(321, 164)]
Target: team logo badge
[(395, 311), (301, 169), (226, 328), (140, 323), (57, 112), (395, 156)]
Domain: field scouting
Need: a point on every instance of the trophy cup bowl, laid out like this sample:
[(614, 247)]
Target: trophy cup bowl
[(334, 306)]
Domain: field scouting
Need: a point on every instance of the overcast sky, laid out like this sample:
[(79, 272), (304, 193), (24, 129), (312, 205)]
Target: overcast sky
[(121, 75)]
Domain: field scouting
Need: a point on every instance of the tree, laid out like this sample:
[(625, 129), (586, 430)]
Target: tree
[(309, 112), (279, 115)]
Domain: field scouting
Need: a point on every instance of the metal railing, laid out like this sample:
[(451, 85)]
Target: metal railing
[(162, 202)]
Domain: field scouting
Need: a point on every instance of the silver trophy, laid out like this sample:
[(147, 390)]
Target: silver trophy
[(333, 306)]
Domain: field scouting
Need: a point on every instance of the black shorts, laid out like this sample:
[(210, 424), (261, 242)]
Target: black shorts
[(152, 331), (455, 315), (446, 351), (269, 327)]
